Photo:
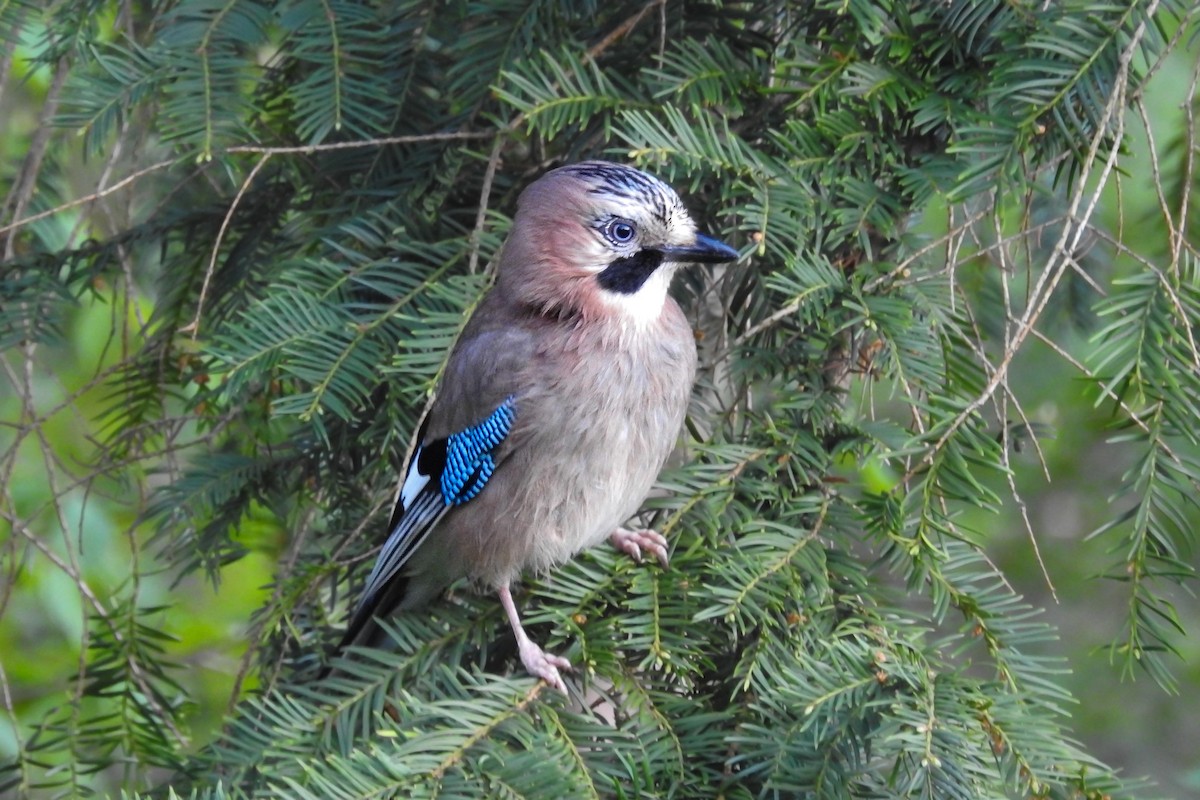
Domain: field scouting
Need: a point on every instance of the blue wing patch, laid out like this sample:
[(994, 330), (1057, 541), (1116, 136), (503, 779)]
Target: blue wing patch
[(442, 474), (469, 462)]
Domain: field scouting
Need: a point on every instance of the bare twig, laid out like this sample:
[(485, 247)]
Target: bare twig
[(485, 194), (623, 29), (1189, 149), (91, 198), (357, 144), (85, 590), (7, 56), (193, 327), (1068, 240), (271, 151), (23, 187)]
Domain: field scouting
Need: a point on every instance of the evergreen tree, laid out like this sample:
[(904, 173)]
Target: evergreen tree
[(292, 208)]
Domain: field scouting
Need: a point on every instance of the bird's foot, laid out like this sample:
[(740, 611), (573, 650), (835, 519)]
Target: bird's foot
[(541, 664), (633, 542), (537, 661)]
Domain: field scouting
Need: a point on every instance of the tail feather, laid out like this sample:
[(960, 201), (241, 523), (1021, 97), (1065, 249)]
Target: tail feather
[(363, 630)]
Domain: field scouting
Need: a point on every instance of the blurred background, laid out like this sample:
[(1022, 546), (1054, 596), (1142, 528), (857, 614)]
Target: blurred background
[(58, 524)]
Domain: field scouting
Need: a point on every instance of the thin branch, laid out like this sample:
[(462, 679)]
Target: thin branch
[(1130, 414), (8, 55), (274, 151), (485, 193), (254, 634), (23, 187), (358, 144), (482, 733), (1189, 149), (91, 198), (85, 590), (1157, 180), (193, 327), (1067, 242), (622, 30)]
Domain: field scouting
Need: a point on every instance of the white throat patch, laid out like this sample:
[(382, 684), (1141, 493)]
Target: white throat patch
[(646, 304)]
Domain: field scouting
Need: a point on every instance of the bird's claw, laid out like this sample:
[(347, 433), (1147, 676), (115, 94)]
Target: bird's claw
[(633, 542), (541, 664)]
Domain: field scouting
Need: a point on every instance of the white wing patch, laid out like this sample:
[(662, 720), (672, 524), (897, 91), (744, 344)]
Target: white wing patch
[(414, 482), (462, 464), (419, 513)]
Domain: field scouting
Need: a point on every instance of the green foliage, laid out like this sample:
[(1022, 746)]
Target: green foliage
[(1145, 363), (311, 194)]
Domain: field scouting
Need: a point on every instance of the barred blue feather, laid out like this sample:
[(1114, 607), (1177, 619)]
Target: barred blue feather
[(469, 461), (580, 328), (442, 474)]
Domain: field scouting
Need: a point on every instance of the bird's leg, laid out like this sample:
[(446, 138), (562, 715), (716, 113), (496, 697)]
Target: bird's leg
[(537, 661), (633, 542)]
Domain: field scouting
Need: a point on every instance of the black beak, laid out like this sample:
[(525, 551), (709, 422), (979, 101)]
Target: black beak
[(706, 250)]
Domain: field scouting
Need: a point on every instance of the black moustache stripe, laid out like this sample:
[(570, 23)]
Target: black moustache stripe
[(627, 275)]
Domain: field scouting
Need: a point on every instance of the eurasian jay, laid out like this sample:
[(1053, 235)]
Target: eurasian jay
[(560, 402)]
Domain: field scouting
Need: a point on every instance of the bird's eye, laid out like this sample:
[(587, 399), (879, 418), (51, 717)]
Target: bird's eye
[(620, 232)]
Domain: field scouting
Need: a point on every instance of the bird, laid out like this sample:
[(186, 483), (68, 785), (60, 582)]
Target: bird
[(559, 403)]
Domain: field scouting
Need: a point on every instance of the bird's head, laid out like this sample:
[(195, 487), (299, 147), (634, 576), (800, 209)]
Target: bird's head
[(598, 238)]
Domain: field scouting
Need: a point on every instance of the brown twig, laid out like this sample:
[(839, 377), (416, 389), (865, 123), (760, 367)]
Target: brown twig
[(193, 327), (358, 143), (485, 194), (270, 151), (23, 187), (622, 30), (1067, 241)]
